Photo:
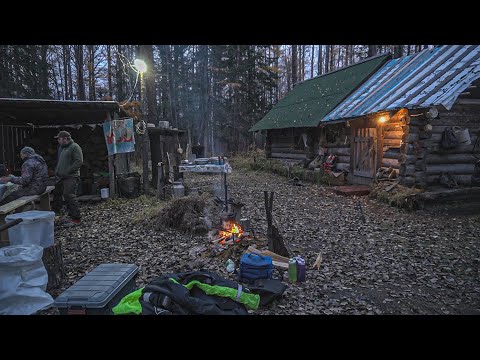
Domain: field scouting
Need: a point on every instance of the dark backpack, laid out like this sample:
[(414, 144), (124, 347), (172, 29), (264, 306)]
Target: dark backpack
[(449, 140), (268, 289), (163, 296)]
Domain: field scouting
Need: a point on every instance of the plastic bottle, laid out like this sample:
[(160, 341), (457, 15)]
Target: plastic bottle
[(230, 266), (292, 270), (300, 269)]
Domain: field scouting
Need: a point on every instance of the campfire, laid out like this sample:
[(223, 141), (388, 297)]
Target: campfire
[(231, 232)]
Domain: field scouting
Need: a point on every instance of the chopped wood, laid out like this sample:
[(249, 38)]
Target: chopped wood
[(273, 255), (318, 261), (390, 187), (277, 260)]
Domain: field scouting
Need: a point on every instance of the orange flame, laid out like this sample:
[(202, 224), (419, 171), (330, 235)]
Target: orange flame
[(233, 230)]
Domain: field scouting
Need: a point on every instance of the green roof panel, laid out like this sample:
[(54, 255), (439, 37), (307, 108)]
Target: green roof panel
[(310, 101)]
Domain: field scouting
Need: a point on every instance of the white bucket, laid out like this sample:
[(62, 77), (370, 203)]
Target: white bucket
[(104, 193)]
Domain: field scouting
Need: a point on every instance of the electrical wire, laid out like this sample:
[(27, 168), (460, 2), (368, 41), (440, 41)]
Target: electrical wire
[(134, 87)]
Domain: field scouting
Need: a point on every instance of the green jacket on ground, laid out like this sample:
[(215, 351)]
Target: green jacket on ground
[(69, 160)]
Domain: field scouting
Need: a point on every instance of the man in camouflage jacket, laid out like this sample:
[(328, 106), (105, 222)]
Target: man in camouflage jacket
[(33, 180)]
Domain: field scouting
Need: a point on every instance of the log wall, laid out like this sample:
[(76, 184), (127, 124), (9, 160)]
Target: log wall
[(460, 161), (288, 144), (336, 139), (392, 137), (423, 160)]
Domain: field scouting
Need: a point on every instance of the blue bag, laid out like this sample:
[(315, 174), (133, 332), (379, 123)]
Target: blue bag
[(255, 266)]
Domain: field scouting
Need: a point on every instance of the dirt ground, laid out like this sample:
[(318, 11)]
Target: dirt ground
[(394, 262)]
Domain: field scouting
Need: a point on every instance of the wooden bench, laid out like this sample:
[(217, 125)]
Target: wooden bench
[(19, 204)]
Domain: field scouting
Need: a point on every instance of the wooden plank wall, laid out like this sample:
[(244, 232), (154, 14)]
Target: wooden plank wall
[(11, 142)]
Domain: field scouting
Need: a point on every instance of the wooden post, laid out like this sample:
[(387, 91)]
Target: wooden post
[(111, 171), (111, 167), (268, 210), (145, 139), (276, 243), (160, 181)]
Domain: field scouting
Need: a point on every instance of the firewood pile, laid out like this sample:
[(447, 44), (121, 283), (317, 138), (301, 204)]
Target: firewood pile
[(384, 173)]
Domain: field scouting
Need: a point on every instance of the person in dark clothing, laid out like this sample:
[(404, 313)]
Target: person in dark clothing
[(70, 159), (33, 180)]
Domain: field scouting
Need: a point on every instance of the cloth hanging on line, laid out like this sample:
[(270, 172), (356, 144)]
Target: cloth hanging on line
[(119, 136)]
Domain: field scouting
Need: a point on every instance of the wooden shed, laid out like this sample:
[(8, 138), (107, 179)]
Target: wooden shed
[(398, 116), (34, 122)]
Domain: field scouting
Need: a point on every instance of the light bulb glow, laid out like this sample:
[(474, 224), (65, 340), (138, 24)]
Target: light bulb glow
[(140, 65)]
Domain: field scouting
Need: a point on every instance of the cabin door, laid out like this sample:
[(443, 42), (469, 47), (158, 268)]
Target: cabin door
[(365, 152)]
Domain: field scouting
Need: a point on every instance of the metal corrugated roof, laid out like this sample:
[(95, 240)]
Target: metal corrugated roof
[(431, 77), (311, 100)]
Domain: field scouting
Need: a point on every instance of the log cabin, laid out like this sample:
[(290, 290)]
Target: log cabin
[(398, 116), (292, 126)]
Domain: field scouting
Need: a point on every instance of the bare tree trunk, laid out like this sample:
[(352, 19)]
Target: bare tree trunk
[(302, 69), (144, 50), (320, 60), (288, 70), (91, 73), (294, 65), (60, 95), (109, 71), (65, 72), (277, 57), (119, 69), (332, 57), (79, 65), (397, 51), (327, 58), (312, 58), (203, 106), (44, 72), (70, 77), (171, 85), (236, 99)]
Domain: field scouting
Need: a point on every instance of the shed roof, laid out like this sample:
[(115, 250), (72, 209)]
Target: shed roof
[(55, 112), (311, 100), (431, 77)]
